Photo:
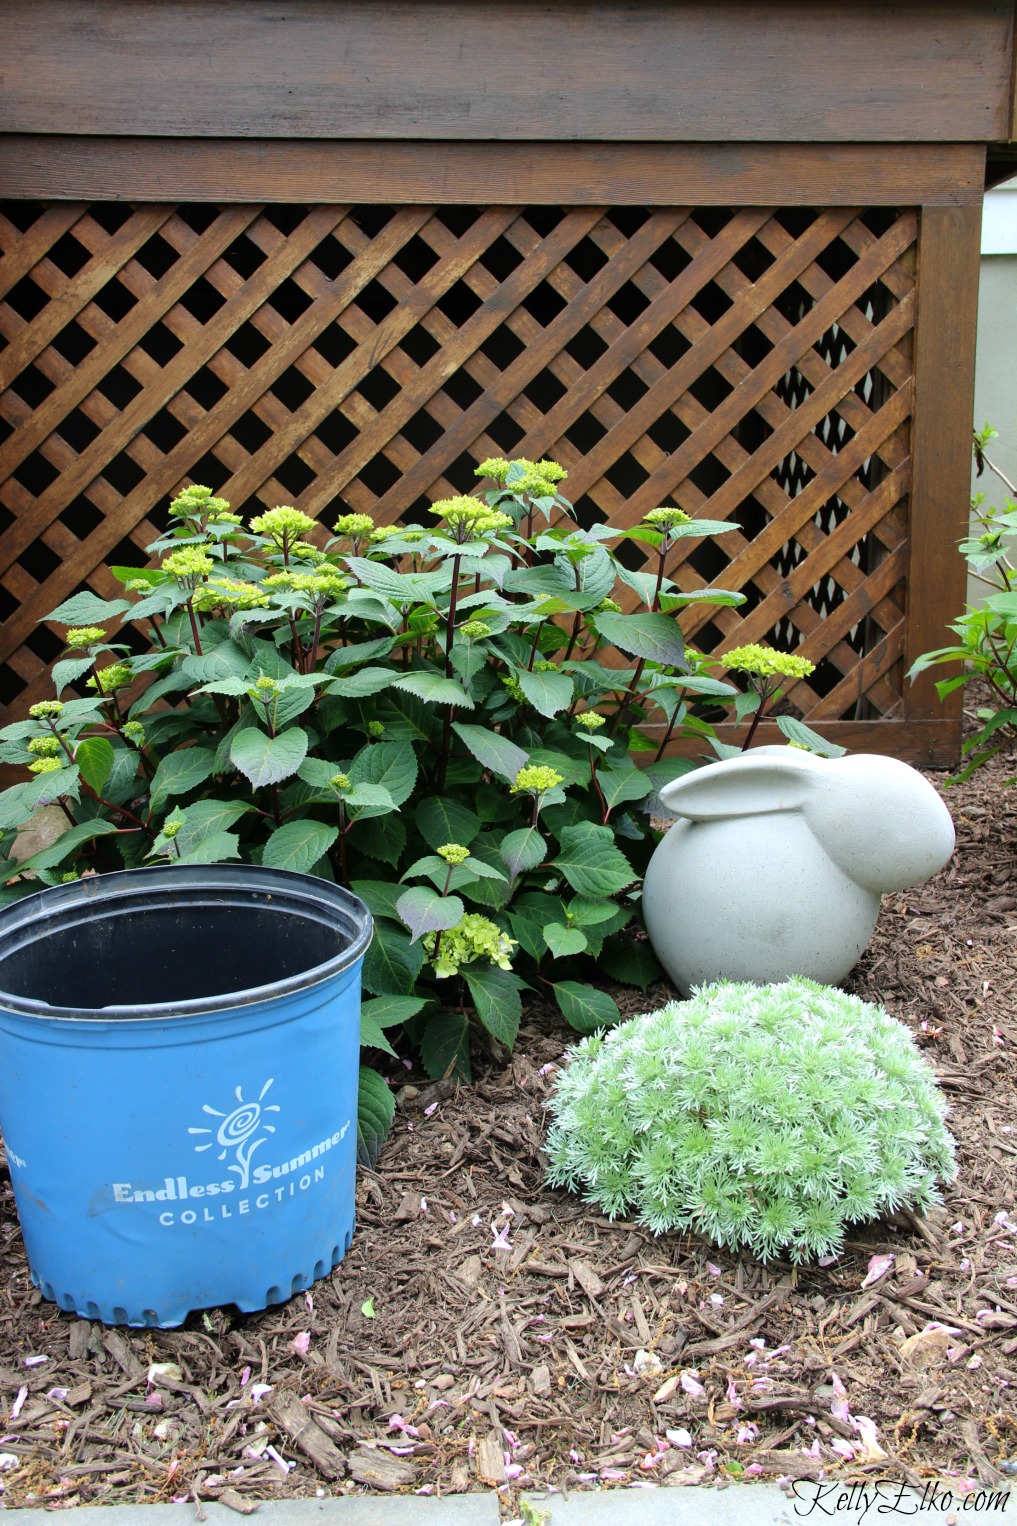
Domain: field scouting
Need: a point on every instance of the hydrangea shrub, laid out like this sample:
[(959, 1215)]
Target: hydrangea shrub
[(446, 717), (762, 1117)]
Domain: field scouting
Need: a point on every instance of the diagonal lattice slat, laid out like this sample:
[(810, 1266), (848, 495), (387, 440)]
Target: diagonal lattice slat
[(752, 365)]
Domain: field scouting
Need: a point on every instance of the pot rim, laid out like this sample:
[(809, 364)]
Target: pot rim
[(59, 907)]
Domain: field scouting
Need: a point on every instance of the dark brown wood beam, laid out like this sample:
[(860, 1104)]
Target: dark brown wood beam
[(514, 174), (553, 70), (948, 256)]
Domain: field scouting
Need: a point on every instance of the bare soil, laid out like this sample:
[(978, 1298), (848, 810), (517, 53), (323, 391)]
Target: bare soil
[(485, 1330)]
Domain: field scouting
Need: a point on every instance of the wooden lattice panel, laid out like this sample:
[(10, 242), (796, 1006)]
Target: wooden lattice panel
[(751, 365)]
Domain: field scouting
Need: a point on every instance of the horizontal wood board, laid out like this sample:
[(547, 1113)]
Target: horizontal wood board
[(96, 168), (617, 70), (749, 364)]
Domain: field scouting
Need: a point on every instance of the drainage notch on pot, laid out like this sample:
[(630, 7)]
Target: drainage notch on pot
[(179, 1054)]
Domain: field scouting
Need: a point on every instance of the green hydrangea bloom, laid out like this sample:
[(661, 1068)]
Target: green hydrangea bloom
[(512, 685), (43, 747), (171, 829), (308, 553), (475, 937), (138, 585), (188, 563), (764, 662), (375, 728), (494, 469), (45, 766), (453, 853), (590, 720), (108, 680), (608, 607), (340, 781), (353, 525), (265, 685), (768, 1118), (535, 779), (538, 478), (134, 732), (384, 532), (84, 635), (45, 707), (666, 519), (474, 630), (232, 593), (196, 502), (320, 586), (469, 516), (283, 525)]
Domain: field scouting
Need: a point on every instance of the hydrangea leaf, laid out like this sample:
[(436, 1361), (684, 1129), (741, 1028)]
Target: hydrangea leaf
[(298, 845), (522, 850), (46, 788), (656, 638), (496, 997), (66, 672), (619, 784), (585, 1008), (357, 652), (493, 751), (179, 772), (381, 1012), (226, 660), (393, 764), (563, 941), (440, 820), (13, 810), (386, 1011), (797, 731), (365, 801), (87, 609), (548, 693), (392, 963), (364, 682), (94, 757), (263, 759), (590, 861), (632, 963), (382, 838), (380, 896), (445, 1046), (434, 689), (375, 1112), (427, 911), (214, 848)]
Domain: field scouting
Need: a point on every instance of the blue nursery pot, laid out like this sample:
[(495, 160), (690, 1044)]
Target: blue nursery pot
[(179, 1058)]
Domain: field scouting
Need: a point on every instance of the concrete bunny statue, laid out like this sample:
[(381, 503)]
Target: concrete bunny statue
[(777, 863)]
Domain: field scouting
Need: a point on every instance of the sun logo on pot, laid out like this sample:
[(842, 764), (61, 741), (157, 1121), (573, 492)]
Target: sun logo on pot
[(237, 1130)]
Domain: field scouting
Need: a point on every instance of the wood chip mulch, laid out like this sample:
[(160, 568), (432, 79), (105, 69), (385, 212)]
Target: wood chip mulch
[(487, 1331)]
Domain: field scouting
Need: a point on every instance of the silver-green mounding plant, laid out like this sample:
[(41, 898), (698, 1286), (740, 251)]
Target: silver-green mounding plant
[(763, 1117)]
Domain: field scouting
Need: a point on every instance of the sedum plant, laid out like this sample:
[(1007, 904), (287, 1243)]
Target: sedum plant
[(443, 717), (762, 1117), (986, 645)]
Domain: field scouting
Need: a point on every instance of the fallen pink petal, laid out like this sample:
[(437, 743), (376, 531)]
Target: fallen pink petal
[(878, 1267)]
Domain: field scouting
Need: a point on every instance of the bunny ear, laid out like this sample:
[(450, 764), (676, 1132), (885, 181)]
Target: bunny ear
[(769, 779)]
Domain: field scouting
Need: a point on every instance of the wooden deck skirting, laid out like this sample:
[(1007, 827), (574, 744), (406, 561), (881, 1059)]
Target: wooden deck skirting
[(311, 254), (756, 365)]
